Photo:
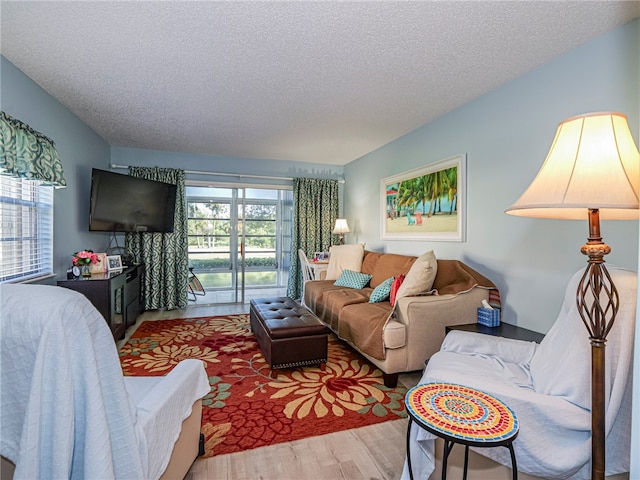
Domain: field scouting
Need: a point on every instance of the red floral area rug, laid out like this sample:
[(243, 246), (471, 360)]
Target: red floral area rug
[(246, 408)]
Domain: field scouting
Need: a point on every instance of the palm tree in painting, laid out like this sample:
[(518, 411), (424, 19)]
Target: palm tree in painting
[(422, 191), (452, 181), (430, 188), (408, 193), (437, 186)]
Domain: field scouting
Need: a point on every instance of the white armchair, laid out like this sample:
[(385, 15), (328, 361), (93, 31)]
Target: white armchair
[(67, 411), (549, 388)]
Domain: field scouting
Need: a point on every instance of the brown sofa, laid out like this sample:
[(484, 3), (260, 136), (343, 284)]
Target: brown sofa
[(398, 339)]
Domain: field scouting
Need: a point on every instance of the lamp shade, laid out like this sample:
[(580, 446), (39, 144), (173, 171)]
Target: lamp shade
[(341, 226), (593, 163)]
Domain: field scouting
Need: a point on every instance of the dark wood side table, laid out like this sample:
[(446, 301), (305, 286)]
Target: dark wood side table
[(118, 296), (503, 330)]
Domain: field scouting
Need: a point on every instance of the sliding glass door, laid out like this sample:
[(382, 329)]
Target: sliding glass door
[(239, 241)]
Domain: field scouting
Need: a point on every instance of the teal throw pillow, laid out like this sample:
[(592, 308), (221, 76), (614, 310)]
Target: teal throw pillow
[(382, 291), (351, 279)]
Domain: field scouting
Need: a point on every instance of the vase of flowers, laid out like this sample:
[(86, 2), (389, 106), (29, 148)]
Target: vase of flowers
[(83, 259)]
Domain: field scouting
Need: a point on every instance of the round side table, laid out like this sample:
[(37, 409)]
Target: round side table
[(464, 415)]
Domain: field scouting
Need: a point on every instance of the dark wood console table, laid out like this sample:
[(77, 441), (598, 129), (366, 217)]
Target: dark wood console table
[(503, 330), (118, 296)]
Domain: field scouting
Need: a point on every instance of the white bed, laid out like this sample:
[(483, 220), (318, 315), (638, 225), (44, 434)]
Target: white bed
[(66, 409)]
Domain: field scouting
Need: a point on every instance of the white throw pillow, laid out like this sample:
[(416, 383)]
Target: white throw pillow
[(420, 277), (344, 257)]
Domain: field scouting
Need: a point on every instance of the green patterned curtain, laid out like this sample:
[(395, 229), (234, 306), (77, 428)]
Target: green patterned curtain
[(315, 209), (165, 255), (28, 154)]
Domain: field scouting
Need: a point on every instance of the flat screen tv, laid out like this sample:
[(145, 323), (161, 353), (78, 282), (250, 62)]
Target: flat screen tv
[(122, 203)]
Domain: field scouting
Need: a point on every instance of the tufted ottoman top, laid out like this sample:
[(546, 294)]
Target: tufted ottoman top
[(286, 318)]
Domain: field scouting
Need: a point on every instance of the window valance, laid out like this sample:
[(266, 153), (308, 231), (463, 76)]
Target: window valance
[(26, 153)]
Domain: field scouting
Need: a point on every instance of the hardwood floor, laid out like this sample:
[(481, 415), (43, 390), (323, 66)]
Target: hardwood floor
[(373, 452)]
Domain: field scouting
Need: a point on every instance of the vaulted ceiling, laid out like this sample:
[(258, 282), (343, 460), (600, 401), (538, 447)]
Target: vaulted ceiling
[(322, 81)]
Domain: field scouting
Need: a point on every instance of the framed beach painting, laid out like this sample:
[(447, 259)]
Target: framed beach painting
[(426, 203)]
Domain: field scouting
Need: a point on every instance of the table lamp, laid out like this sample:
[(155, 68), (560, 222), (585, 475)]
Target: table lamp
[(341, 228), (591, 171)]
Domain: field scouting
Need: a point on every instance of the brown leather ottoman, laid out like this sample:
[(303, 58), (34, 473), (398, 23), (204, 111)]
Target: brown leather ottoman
[(288, 334)]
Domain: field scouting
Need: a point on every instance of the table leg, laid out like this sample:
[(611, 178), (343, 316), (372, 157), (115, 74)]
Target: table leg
[(409, 449), (514, 466), (448, 446), (466, 462)]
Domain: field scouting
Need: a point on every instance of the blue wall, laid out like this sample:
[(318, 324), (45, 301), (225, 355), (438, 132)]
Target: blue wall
[(218, 164), (80, 148), (506, 135)]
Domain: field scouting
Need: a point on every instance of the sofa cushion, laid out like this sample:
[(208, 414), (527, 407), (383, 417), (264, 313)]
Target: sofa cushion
[(395, 286), (336, 300), (370, 260), (326, 300), (391, 265), (382, 291), (420, 278), (344, 257), (362, 325), (351, 279)]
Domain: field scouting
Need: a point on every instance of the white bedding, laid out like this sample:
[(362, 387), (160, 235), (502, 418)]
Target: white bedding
[(163, 403), (65, 410)]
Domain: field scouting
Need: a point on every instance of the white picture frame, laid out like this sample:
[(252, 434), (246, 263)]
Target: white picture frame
[(114, 263), (398, 205), (321, 257)]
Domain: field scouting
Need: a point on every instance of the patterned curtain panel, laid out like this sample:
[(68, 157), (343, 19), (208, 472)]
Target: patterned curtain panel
[(315, 209), (165, 255), (28, 154)]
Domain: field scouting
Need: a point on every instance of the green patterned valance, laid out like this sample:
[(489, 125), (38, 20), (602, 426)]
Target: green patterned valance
[(28, 154)]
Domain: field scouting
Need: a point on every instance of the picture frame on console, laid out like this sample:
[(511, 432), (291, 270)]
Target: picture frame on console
[(426, 203), (101, 265), (114, 263)]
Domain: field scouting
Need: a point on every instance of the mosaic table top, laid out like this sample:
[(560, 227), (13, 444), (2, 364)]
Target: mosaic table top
[(461, 413)]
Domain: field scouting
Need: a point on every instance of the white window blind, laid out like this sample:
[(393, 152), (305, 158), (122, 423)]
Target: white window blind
[(26, 235)]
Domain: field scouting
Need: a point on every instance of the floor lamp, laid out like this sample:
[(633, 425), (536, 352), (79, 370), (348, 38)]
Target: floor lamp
[(592, 171)]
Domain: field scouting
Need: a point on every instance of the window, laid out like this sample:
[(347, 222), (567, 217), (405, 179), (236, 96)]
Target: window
[(236, 232), (26, 233)]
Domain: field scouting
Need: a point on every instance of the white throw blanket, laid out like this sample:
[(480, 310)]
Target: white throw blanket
[(549, 388), (162, 404), (65, 411)]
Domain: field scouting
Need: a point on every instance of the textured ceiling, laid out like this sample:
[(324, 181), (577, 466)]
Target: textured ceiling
[(322, 82)]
